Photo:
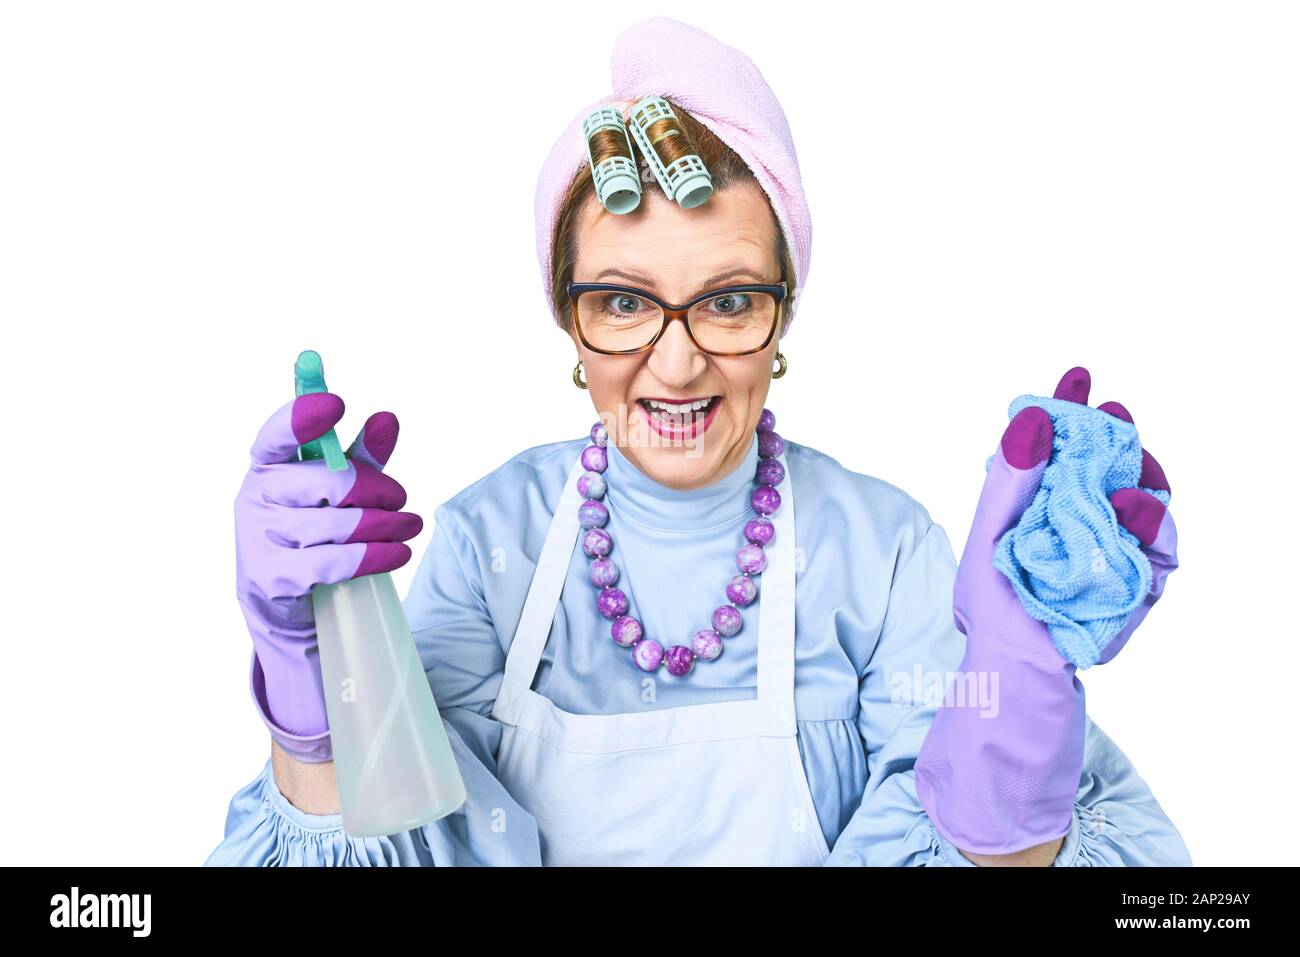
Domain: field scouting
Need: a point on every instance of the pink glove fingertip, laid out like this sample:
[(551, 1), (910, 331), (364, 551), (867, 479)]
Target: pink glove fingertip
[(1153, 476), (374, 489), (1117, 410), (382, 557), (1028, 438), (376, 441), (1074, 386), (315, 414), (1139, 512), (382, 525)]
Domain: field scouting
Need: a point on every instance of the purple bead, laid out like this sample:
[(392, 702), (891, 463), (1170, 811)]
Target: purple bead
[(602, 573), (599, 435), (741, 590), (593, 459), (591, 485), (592, 514), (726, 621), (765, 500), (770, 445), (706, 645), (679, 660), (626, 631), (769, 472), (597, 543), (760, 531), (611, 602), (751, 559), (648, 654), (766, 421)]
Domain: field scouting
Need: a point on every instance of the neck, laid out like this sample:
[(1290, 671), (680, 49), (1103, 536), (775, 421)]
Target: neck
[(720, 502)]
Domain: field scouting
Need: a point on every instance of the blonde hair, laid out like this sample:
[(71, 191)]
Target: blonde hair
[(726, 169)]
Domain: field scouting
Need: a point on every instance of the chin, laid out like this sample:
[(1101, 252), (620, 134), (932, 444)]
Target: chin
[(683, 452)]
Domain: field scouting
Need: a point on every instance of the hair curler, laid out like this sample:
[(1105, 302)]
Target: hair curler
[(392, 759), (683, 177), (615, 174)]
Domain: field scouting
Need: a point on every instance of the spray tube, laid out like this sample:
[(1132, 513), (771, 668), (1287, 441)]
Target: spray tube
[(392, 759)]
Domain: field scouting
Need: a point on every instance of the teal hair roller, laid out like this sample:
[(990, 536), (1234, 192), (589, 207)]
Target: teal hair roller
[(681, 173), (615, 175), (309, 377)]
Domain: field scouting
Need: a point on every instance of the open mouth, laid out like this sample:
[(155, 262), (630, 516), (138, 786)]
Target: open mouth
[(680, 418)]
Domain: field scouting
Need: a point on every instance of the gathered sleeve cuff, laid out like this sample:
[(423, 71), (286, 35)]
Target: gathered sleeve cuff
[(1117, 821), (263, 829)]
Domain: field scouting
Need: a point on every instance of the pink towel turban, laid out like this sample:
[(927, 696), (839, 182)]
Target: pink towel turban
[(719, 86)]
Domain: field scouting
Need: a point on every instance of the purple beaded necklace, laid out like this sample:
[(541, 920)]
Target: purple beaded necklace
[(611, 602)]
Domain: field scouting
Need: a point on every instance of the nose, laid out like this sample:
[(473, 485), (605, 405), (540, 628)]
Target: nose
[(675, 360)]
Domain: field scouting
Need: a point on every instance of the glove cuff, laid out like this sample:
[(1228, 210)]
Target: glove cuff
[(998, 777), (311, 748)]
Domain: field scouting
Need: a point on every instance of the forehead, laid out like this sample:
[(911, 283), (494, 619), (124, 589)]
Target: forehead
[(678, 249)]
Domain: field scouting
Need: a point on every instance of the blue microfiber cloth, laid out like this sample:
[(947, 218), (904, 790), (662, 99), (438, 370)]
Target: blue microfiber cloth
[(1073, 565)]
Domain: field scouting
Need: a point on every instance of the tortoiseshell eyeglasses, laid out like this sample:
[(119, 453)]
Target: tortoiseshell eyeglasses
[(623, 320)]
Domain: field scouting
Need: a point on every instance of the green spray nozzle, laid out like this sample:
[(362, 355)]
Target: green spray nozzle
[(309, 377)]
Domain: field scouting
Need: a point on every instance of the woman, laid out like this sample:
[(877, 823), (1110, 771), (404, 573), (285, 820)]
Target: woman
[(723, 723)]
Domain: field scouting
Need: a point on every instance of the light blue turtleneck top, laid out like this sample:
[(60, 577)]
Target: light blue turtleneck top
[(873, 615)]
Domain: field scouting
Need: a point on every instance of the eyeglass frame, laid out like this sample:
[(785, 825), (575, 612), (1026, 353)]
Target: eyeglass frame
[(672, 313)]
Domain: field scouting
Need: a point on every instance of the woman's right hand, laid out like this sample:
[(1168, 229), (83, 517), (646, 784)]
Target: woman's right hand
[(298, 525)]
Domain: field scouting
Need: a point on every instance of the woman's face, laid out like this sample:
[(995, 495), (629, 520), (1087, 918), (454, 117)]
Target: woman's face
[(678, 254)]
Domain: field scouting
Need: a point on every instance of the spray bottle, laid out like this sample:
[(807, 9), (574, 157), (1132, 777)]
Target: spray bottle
[(394, 764)]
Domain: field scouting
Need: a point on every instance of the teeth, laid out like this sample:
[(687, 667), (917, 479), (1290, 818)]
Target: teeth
[(678, 408)]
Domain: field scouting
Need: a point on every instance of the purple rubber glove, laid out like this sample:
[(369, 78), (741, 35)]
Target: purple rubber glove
[(297, 525), (995, 780)]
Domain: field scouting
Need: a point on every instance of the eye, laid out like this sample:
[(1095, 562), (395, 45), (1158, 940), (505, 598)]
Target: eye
[(624, 304), (732, 304)]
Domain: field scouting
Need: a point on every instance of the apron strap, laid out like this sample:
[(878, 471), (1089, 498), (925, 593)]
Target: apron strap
[(543, 596)]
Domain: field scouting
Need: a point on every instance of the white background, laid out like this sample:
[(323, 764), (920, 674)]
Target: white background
[(192, 193)]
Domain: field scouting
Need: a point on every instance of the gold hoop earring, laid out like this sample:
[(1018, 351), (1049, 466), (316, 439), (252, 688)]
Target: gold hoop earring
[(578, 380), (782, 365)]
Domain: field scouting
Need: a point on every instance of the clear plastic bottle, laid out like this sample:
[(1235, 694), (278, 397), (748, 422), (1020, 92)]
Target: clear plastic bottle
[(392, 759), (394, 764)]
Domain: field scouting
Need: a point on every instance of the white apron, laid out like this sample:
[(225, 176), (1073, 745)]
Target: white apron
[(711, 784)]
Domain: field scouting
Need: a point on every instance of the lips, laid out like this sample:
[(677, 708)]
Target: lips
[(680, 418)]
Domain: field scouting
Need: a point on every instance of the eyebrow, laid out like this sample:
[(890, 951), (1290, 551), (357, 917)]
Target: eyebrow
[(711, 282)]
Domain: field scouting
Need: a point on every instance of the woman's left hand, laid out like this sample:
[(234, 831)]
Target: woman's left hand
[(1000, 775), (983, 592)]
